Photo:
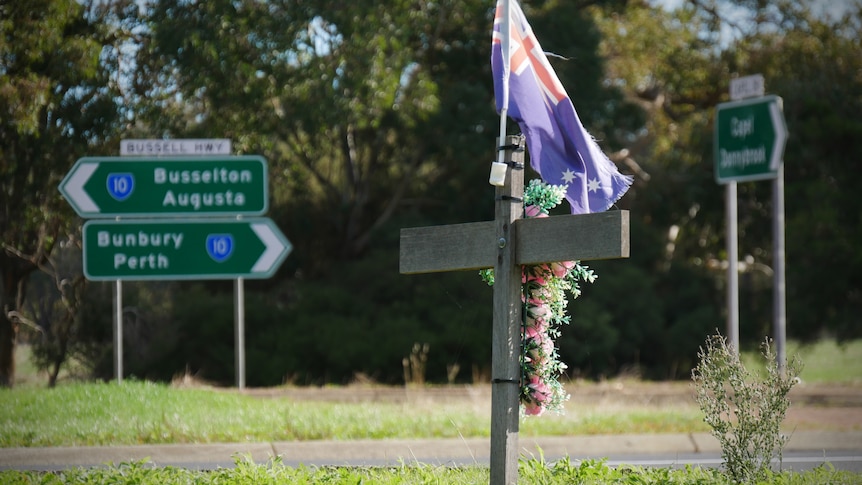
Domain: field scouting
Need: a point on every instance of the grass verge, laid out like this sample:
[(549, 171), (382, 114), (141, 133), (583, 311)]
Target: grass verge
[(141, 412), (530, 471), (137, 412), (824, 361)]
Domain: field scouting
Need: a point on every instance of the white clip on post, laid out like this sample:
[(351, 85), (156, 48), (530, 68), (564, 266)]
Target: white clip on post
[(498, 174)]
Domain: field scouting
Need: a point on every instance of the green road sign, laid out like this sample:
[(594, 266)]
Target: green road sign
[(167, 187), (749, 139), (182, 249)]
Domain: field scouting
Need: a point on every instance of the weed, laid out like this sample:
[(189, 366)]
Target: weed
[(744, 412)]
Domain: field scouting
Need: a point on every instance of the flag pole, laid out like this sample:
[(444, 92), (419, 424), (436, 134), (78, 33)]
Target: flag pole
[(498, 168)]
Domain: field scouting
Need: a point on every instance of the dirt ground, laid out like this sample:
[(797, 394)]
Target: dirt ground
[(813, 406)]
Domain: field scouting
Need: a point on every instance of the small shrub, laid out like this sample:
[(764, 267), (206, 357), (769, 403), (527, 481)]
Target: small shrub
[(744, 412)]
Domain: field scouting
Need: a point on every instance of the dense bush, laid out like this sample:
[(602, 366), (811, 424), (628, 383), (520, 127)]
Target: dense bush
[(363, 319)]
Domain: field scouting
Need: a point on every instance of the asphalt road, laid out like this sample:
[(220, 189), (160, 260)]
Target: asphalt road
[(805, 450)]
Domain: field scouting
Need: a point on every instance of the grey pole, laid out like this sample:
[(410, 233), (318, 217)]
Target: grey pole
[(239, 331), (779, 299), (118, 331), (732, 271)]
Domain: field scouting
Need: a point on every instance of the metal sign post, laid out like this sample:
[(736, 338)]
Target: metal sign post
[(750, 136)]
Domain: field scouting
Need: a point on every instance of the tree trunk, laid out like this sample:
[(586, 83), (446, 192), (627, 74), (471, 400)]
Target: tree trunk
[(63, 334), (55, 371), (8, 341), (13, 273)]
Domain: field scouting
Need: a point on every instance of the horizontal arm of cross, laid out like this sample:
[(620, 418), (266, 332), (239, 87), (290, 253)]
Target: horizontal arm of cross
[(472, 246)]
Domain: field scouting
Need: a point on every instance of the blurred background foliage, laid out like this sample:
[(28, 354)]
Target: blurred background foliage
[(375, 116)]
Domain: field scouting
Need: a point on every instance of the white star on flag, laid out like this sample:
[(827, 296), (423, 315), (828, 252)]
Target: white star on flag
[(568, 176), (593, 185)]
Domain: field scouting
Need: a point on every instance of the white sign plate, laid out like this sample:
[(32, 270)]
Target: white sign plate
[(747, 87), (180, 147)]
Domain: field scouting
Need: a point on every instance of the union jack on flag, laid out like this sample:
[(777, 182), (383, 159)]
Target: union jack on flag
[(561, 150)]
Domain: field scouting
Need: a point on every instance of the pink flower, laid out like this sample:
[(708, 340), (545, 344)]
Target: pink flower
[(539, 324), (533, 409), (534, 211), (547, 346), (542, 269), (538, 273), (539, 391), (539, 353), (531, 276), (538, 311), (537, 357), (560, 269)]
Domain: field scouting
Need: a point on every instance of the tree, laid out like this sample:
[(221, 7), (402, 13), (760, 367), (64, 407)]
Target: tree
[(336, 95), (345, 102), (677, 66), (55, 295), (348, 104), (815, 68), (811, 59), (379, 115), (56, 101)]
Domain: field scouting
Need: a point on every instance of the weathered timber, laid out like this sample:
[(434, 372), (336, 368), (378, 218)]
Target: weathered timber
[(585, 237), (506, 329), (454, 247), (473, 246)]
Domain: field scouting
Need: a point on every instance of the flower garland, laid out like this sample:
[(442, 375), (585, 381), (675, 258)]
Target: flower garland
[(544, 289)]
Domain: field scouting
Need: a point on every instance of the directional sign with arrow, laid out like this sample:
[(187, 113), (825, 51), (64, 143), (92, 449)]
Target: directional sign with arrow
[(183, 249), (749, 139), (167, 187)]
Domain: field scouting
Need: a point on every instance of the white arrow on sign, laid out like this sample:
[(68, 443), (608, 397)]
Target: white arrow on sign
[(780, 135), (74, 188), (274, 248)]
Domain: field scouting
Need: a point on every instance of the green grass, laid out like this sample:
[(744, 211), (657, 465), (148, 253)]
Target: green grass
[(563, 472), (830, 362), (138, 412), (87, 413), (825, 361)]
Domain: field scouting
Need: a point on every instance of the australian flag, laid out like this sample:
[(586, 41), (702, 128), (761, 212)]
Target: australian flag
[(560, 148)]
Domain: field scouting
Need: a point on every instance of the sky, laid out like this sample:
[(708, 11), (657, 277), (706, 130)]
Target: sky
[(833, 8)]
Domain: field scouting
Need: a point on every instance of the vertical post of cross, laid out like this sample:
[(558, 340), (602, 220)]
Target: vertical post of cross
[(506, 332)]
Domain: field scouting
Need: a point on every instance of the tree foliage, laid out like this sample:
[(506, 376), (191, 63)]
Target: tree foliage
[(342, 100), (379, 115), (677, 65), (56, 103)]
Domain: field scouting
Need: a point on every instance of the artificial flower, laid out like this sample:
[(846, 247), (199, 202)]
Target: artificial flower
[(544, 288)]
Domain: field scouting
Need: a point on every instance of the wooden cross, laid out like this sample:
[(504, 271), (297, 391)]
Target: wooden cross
[(505, 244)]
